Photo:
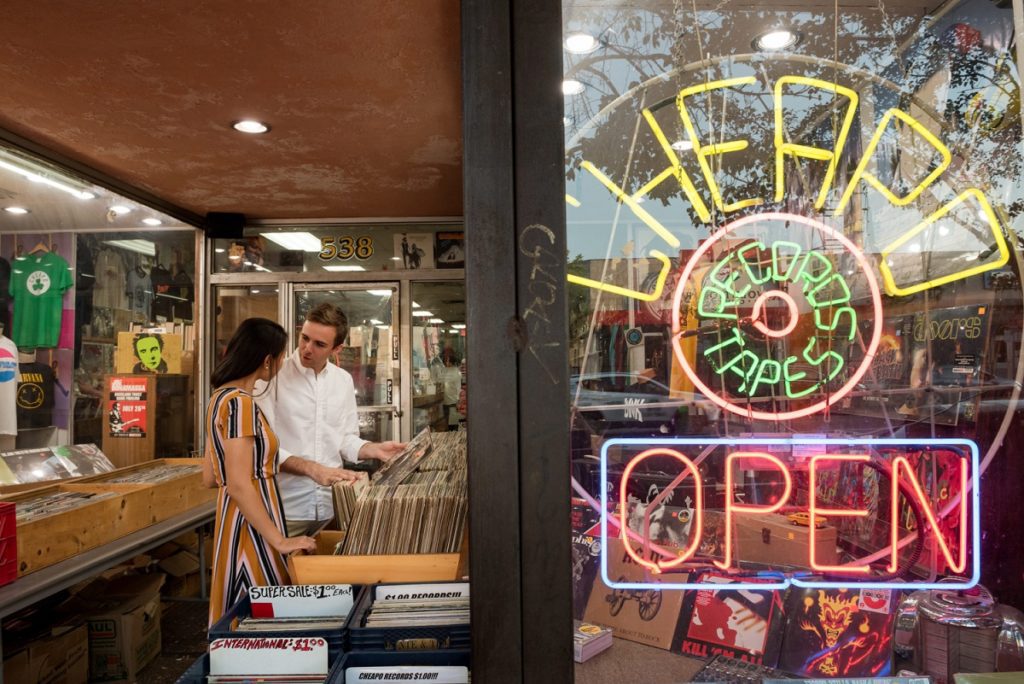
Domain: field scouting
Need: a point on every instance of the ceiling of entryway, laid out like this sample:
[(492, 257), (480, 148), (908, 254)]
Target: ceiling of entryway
[(363, 100)]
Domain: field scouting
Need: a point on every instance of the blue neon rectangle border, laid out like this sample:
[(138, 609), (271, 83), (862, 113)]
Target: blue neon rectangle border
[(795, 581)]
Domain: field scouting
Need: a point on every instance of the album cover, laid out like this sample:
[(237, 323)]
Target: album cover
[(839, 632), (586, 559), (739, 623)]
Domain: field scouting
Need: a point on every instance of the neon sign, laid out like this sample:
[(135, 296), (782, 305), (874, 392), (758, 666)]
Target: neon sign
[(861, 178), (959, 548), (778, 269)]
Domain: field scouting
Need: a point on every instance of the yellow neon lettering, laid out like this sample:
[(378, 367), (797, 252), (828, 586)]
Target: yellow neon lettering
[(675, 169), (572, 201), (705, 151), (633, 205), (782, 148), (994, 227), (862, 172), (666, 266)]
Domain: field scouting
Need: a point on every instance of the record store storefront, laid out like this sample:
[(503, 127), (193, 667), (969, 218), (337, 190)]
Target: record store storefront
[(795, 323)]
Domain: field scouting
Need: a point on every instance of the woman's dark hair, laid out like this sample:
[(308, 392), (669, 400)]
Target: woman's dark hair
[(248, 348)]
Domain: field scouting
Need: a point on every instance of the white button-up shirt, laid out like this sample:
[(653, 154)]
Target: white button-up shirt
[(314, 416)]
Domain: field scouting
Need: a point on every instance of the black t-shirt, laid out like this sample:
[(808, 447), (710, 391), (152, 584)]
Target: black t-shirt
[(183, 289), (163, 284), (35, 395)]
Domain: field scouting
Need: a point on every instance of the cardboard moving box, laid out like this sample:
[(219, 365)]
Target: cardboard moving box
[(124, 626), (60, 657)]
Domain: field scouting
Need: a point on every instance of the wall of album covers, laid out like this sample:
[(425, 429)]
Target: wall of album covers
[(795, 320)]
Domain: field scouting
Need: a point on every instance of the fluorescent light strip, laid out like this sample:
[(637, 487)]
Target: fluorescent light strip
[(420, 313), (38, 178), (307, 242), (380, 293), (344, 267), (141, 246)]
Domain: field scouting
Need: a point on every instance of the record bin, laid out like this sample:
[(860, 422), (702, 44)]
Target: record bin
[(452, 656), (426, 637), (337, 639)]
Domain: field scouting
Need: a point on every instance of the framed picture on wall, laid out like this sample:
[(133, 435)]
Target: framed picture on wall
[(414, 250), (450, 250)]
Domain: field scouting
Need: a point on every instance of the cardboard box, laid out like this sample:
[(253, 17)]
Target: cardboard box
[(774, 539), (124, 626), (647, 616), (60, 657)]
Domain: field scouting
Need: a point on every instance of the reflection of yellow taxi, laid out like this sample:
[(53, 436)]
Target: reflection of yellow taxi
[(804, 519)]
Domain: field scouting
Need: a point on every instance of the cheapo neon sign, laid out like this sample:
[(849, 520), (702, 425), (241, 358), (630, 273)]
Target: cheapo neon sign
[(958, 543)]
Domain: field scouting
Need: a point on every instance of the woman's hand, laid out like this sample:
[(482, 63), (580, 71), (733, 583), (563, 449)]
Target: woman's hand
[(289, 544)]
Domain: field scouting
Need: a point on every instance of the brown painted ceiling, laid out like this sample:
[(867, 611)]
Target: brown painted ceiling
[(363, 100)]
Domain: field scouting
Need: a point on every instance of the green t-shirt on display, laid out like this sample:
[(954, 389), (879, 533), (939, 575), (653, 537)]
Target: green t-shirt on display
[(38, 283)]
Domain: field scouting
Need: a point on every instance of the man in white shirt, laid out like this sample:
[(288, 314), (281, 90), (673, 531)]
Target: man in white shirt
[(311, 405)]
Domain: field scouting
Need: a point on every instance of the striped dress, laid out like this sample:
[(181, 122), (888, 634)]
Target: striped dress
[(241, 557)]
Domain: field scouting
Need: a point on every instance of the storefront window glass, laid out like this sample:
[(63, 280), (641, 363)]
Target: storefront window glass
[(793, 233), (341, 249)]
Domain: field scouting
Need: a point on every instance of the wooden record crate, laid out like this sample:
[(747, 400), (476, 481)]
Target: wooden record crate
[(57, 537), (177, 495), (324, 567)]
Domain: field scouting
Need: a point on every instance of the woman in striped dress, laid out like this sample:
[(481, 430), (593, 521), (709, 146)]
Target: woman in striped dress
[(250, 545)]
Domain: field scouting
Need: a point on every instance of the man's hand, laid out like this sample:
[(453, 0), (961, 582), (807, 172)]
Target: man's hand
[(383, 451), (325, 476)]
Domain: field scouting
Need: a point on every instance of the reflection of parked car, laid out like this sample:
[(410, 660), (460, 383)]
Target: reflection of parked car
[(621, 404)]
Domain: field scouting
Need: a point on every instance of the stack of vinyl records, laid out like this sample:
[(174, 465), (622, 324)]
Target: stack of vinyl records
[(415, 504), (418, 613), (346, 494), (589, 640)]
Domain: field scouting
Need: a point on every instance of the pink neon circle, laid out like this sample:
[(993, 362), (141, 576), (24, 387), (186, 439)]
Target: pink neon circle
[(762, 326), (869, 352)]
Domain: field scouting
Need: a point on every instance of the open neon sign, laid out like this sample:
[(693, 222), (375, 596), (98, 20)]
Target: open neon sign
[(961, 554)]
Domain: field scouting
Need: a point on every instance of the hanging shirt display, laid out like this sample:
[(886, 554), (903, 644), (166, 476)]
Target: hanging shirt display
[(5, 301), (109, 291), (163, 302), (140, 293), (38, 283), (35, 395), (185, 291), (8, 386)]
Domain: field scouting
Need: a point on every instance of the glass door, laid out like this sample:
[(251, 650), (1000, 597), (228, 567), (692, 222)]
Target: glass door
[(370, 353)]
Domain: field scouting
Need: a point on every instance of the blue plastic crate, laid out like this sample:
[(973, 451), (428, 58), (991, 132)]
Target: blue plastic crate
[(337, 639), (428, 637), (451, 656), (196, 673)]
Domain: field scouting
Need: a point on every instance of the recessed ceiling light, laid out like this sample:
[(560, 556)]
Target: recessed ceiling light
[(344, 267), (436, 321), (250, 126), (422, 313), (779, 39), (307, 242), (459, 326), (379, 293), (580, 43), (152, 221), (571, 86), (219, 250), (16, 210), (396, 258), (120, 209)]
